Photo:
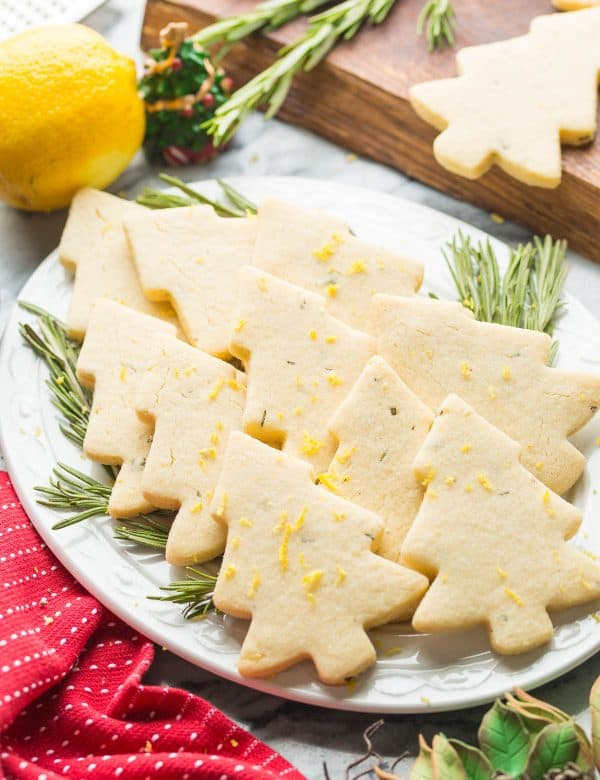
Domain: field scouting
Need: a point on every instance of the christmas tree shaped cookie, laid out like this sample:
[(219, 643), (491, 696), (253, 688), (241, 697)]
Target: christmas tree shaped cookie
[(491, 537), (380, 427), (438, 348), (515, 101), (317, 251), (191, 257), (300, 564), (120, 344), (301, 364), (94, 247), (193, 401)]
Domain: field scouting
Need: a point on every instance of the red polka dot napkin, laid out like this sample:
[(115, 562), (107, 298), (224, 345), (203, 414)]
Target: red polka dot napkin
[(71, 699)]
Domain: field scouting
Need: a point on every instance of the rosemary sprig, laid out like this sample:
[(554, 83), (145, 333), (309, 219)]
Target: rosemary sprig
[(70, 489), (270, 88), (60, 354), (148, 531), (440, 19), (196, 592), (268, 15), (237, 204), (528, 295)]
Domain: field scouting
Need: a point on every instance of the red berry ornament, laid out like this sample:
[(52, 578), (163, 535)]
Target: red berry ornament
[(176, 64), (227, 84), (208, 100), (188, 111)]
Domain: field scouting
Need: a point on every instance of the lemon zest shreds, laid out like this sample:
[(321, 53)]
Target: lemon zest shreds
[(514, 597)]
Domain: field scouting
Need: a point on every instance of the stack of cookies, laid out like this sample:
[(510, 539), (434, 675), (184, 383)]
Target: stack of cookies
[(357, 454)]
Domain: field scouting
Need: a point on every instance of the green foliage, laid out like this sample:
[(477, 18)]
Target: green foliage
[(270, 87), (528, 294), (423, 766), (439, 18), (504, 739), (175, 127), (521, 737), (553, 748), (195, 592), (477, 766), (446, 761), (595, 708)]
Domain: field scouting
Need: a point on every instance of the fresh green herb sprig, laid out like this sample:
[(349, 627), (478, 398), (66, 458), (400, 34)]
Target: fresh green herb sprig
[(236, 205), (195, 592), (439, 20), (528, 294), (270, 87), (60, 353), (146, 530), (70, 489), (266, 16)]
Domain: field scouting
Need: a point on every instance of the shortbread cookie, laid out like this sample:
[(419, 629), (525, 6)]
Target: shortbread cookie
[(191, 257), (492, 537), (119, 345), (380, 427), (301, 364), (438, 348), (193, 401), (317, 251), (515, 101), (94, 247), (300, 564)]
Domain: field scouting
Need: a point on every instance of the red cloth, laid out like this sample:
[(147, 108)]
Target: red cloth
[(71, 701)]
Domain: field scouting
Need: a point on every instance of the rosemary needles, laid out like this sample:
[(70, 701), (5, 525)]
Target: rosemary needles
[(439, 18), (527, 295), (196, 592), (270, 87), (60, 353), (236, 204)]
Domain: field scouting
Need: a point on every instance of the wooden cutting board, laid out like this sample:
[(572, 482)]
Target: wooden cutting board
[(358, 98)]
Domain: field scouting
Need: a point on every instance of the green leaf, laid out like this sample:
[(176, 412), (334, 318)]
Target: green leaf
[(446, 762), (553, 748), (474, 761), (595, 707), (504, 739), (423, 766)]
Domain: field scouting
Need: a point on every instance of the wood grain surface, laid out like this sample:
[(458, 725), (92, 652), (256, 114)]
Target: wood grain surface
[(358, 98)]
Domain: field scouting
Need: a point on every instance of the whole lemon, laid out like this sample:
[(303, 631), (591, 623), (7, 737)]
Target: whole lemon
[(70, 115)]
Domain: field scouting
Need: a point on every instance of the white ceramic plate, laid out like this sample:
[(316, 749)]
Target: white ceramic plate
[(431, 673)]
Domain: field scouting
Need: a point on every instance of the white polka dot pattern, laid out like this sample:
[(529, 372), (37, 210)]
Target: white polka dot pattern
[(71, 699)]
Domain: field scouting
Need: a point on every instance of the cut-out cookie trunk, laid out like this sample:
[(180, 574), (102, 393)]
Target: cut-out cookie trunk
[(119, 346), (491, 537), (193, 401)]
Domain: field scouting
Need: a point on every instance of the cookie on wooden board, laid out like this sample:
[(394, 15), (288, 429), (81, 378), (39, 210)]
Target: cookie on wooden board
[(191, 257), (192, 401), (492, 537), (301, 364), (119, 345), (300, 564), (515, 101), (94, 247), (379, 428), (437, 347), (317, 251)]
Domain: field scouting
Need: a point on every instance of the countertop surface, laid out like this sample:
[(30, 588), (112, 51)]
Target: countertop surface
[(305, 735)]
